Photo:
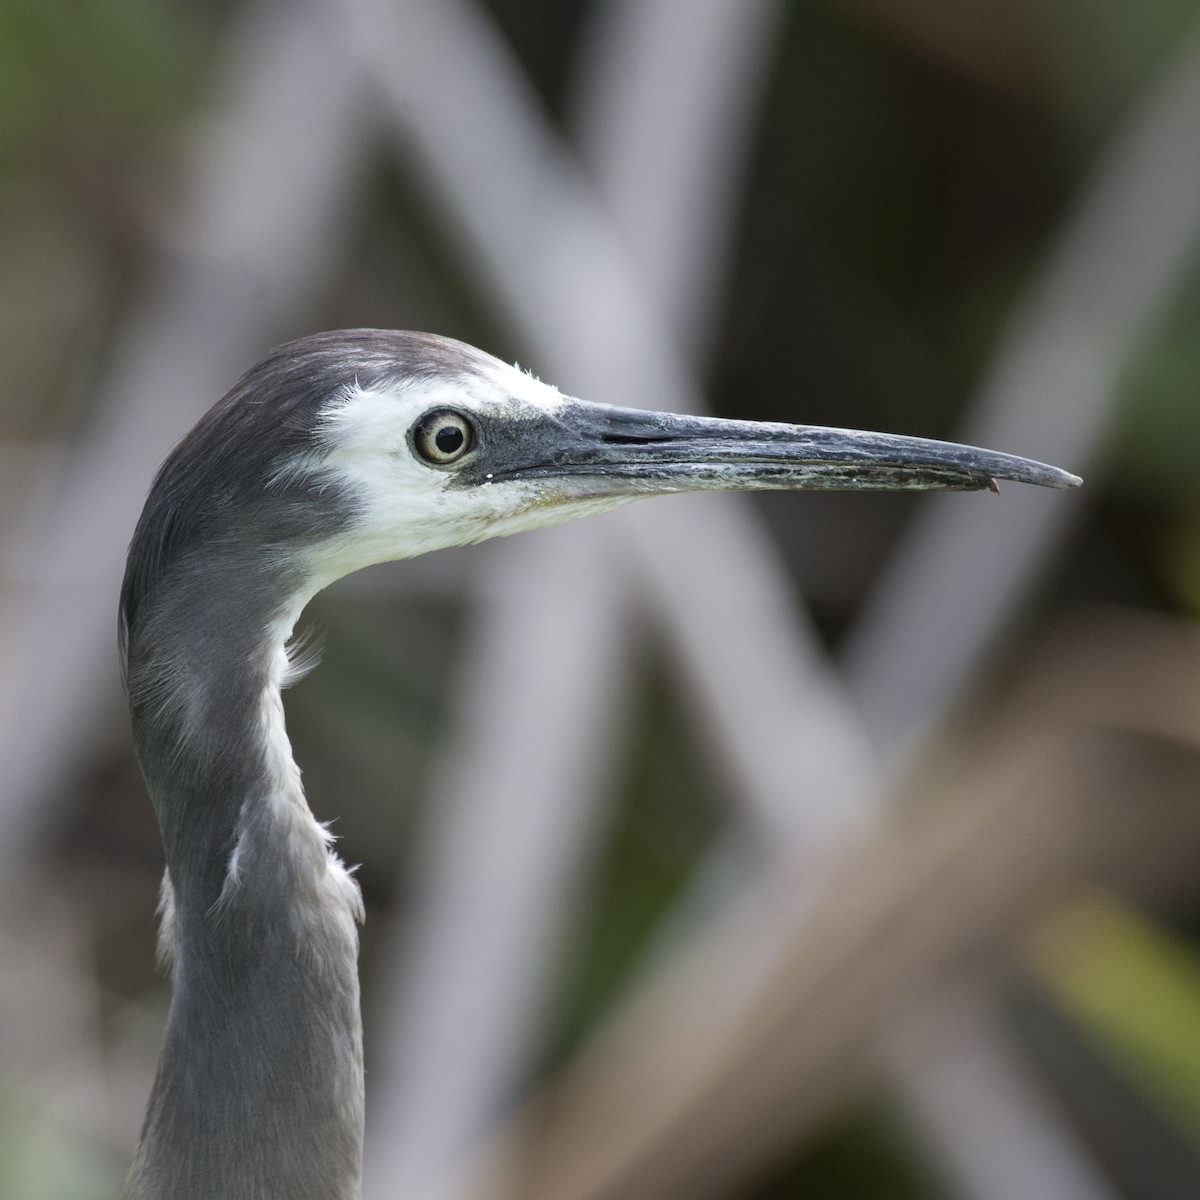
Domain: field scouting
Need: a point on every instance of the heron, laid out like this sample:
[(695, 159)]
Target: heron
[(335, 452)]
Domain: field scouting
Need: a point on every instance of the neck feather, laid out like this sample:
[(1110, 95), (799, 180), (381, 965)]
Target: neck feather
[(259, 1087)]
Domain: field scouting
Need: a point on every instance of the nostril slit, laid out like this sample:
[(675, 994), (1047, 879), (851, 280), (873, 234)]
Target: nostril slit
[(629, 439)]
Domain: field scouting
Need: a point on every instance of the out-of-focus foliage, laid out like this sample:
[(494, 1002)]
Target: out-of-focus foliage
[(1136, 988), (70, 69), (864, 1156), (666, 819), (38, 1163), (1094, 56), (92, 98), (1153, 452)]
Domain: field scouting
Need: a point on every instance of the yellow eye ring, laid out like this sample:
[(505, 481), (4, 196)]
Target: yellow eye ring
[(442, 437)]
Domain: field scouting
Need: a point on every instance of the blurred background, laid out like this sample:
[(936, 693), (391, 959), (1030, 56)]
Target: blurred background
[(822, 846)]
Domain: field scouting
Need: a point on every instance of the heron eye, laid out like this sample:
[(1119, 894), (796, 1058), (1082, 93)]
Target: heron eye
[(442, 437)]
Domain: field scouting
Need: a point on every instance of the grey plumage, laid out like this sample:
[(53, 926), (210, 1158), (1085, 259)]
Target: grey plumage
[(336, 451), (214, 556)]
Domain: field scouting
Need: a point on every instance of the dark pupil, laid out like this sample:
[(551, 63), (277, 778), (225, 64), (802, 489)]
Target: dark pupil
[(448, 439)]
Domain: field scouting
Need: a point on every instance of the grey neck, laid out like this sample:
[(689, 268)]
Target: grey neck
[(259, 1092)]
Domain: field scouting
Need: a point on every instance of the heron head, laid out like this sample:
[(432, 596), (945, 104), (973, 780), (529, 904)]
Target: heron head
[(474, 448), (444, 457), (361, 446)]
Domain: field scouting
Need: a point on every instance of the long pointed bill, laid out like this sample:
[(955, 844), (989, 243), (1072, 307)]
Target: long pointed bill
[(595, 450)]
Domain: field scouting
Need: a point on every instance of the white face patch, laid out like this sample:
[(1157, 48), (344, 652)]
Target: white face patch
[(410, 506)]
